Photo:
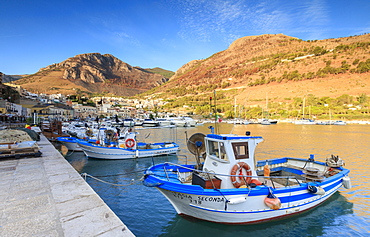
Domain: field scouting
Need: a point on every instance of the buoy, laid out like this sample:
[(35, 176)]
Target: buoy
[(347, 182), (316, 190), (237, 200), (266, 170), (272, 201)]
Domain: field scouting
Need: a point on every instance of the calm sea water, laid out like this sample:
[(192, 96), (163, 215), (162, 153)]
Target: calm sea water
[(148, 213)]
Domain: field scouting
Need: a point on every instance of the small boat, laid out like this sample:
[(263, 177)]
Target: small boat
[(70, 143), (127, 148), (231, 187), (339, 122), (304, 121), (165, 122), (265, 122), (128, 122), (150, 123), (179, 122)]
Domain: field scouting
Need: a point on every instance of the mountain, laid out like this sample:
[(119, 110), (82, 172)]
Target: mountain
[(10, 78), (7, 92), (281, 66), (92, 72)]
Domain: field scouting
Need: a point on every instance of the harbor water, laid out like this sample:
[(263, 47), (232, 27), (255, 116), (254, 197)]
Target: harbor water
[(147, 212)]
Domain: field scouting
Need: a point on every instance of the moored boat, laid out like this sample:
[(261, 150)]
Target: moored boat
[(70, 143), (231, 187), (127, 148)]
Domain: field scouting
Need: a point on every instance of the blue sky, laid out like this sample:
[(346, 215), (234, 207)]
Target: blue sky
[(160, 33)]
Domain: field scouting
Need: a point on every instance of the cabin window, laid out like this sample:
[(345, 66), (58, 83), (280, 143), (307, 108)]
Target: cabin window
[(241, 150), (217, 150)]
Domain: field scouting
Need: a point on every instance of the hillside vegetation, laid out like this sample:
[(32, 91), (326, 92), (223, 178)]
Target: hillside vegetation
[(281, 69)]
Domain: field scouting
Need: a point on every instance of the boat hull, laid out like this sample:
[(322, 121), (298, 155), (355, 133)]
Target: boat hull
[(114, 153), (253, 210), (70, 143)]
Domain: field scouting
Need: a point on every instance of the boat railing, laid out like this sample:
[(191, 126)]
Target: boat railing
[(210, 174)]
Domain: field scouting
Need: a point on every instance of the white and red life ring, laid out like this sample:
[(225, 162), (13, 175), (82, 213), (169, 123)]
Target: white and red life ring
[(243, 180), (130, 142)]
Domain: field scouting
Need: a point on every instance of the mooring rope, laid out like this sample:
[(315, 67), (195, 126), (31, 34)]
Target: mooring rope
[(100, 180)]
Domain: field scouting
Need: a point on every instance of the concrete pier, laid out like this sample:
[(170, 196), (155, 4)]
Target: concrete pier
[(45, 196)]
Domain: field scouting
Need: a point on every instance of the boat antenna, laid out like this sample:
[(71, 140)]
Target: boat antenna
[(214, 109)]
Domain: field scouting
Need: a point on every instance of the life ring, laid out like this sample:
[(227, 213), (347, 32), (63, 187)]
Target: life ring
[(130, 142), (243, 180)]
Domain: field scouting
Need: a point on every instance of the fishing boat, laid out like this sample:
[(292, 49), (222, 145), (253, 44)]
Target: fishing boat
[(230, 186), (126, 148), (70, 143)]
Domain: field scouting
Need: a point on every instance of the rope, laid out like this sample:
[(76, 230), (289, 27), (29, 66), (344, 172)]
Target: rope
[(100, 180), (69, 154)]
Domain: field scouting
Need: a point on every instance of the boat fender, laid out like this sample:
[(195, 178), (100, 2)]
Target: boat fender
[(122, 145), (256, 182), (316, 190), (130, 142), (347, 182), (243, 180), (272, 201), (237, 200)]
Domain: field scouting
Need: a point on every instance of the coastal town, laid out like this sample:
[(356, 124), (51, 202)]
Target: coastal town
[(32, 107)]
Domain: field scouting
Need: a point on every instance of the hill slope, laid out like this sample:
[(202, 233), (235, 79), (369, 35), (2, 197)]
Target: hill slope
[(280, 66), (92, 72)]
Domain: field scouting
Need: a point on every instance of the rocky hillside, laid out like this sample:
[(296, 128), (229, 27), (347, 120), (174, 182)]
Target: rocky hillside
[(92, 72), (280, 66), (7, 92)]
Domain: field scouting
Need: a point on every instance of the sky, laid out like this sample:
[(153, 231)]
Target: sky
[(160, 33)]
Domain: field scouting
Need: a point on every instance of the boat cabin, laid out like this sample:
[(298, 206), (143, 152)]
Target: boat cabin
[(225, 151)]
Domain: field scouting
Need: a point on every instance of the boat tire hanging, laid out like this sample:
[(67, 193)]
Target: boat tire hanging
[(130, 142), (243, 180)]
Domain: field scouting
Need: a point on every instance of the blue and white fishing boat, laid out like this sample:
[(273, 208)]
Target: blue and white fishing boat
[(230, 186), (70, 143), (127, 148)]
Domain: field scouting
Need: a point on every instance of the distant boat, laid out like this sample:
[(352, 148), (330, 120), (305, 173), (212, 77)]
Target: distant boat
[(128, 122), (165, 122), (190, 122), (150, 123), (305, 121), (179, 121), (339, 122), (265, 122)]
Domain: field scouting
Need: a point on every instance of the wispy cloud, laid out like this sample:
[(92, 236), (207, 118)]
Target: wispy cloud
[(203, 20)]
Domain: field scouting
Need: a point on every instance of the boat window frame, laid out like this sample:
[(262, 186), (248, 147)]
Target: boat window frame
[(235, 150), (220, 151)]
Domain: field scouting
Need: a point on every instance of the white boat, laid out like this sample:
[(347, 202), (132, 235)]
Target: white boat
[(70, 143), (190, 122), (128, 122), (150, 123), (179, 122), (339, 122), (304, 121), (231, 187), (265, 122), (127, 148), (165, 122)]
